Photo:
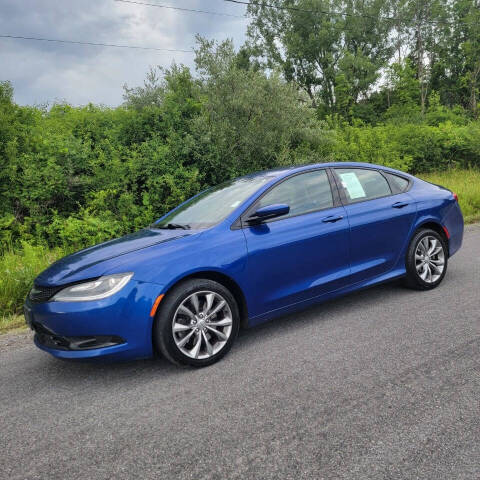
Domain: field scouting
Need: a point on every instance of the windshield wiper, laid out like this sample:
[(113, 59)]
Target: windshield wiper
[(172, 226)]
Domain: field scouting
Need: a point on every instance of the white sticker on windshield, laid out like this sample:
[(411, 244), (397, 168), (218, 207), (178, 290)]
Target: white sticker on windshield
[(353, 186)]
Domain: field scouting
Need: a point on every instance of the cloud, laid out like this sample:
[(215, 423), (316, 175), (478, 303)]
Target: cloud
[(44, 72)]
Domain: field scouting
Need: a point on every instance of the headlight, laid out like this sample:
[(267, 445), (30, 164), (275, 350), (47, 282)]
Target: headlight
[(94, 290)]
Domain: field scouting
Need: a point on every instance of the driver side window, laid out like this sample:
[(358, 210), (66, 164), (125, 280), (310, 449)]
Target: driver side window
[(303, 193)]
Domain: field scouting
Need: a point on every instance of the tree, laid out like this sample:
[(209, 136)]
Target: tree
[(455, 55), (318, 43), (429, 26), (150, 94), (403, 84), (250, 120), (470, 48)]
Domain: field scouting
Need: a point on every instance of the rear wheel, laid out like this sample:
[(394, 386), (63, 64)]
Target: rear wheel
[(196, 323), (426, 261)]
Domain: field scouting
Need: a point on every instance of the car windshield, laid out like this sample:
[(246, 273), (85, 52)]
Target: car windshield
[(213, 205)]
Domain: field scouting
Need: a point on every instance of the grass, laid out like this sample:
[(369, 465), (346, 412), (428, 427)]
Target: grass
[(12, 324), (466, 184), (17, 271), (19, 267)]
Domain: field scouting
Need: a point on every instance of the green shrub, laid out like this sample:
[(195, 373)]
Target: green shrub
[(410, 147), (17, 272), (372, 145)]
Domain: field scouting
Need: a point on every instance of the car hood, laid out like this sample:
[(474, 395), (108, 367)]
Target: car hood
[(81, 265)]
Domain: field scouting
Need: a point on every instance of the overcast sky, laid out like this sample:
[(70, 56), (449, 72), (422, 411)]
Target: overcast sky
[(45, 72)]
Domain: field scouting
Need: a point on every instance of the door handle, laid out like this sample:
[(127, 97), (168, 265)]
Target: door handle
[(332, 219), (399, 204)]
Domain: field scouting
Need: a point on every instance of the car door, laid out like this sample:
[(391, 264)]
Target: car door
[(380, 214), (302, 254)]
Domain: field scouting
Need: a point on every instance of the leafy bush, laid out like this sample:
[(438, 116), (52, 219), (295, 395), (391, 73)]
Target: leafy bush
[(76, 176), (410, 147), (372, 145), (17, 271)]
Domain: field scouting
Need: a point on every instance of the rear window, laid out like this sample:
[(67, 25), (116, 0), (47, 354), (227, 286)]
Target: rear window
[(362, 184), (399, 184)]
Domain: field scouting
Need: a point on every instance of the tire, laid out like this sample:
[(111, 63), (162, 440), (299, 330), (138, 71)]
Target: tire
[(189, 310), (426, 271)]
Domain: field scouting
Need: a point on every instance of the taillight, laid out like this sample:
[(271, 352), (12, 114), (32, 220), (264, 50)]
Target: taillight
[(455, 196)]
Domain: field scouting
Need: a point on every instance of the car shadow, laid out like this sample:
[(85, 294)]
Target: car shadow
[(328, 309)]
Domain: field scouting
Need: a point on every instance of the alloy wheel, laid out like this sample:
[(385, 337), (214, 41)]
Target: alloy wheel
[(202, 324), (429, 259)]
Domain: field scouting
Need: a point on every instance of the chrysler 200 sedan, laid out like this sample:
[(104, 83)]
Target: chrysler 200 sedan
[(241, 253)]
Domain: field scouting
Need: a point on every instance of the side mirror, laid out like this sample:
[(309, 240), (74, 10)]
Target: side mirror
[(268, 212)]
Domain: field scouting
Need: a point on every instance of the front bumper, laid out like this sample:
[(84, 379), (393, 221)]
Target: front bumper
[(119, 326)]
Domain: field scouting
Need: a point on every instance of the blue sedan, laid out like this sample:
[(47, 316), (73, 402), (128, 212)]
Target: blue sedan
[(241, 253)]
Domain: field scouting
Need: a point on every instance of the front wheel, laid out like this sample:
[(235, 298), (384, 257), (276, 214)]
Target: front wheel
[(426, 261), (196, 323)]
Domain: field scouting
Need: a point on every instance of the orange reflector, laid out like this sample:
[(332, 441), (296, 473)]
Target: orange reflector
[(153, 311)]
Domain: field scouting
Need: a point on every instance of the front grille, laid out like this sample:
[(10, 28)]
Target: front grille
[(42, 294), (50, 339)]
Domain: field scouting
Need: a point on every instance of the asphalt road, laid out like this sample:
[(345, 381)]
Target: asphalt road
[(380, 384)]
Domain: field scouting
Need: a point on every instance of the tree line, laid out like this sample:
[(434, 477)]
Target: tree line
[(349, 56), (388, 83)]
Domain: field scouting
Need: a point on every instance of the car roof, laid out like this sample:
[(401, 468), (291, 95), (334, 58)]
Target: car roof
[(285, 171)]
